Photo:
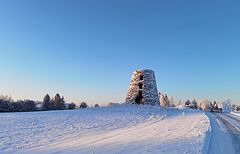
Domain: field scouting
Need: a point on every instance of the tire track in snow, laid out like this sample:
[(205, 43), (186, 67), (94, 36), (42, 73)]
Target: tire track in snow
[(232, 116), (220, 139), (233, 129)]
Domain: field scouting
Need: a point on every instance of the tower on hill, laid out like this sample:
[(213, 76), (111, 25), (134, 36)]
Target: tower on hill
[(143, 88)]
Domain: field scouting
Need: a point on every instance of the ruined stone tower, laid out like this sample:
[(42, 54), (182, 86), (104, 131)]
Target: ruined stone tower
[(143, 88)]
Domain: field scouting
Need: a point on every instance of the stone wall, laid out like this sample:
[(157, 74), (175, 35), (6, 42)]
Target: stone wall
[(143, 88)]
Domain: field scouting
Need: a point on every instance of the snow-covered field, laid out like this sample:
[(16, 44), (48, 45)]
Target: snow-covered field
[(118, 129)]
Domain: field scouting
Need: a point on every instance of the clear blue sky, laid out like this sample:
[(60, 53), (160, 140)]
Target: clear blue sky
[(87, 50)]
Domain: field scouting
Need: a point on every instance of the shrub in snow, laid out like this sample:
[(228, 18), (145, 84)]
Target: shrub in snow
[(71, 106), (96, 105), (113, 104), (83, 105)]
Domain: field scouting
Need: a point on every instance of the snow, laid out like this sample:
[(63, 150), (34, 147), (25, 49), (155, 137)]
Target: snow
[(220, 139), (117, 129), (225, 133), (234, 119), (236, 113)]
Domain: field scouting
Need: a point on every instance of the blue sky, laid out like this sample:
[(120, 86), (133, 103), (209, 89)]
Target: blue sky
[(87, 50)]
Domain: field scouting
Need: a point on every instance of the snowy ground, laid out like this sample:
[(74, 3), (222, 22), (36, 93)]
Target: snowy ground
[(236, 113), (225, 133), (119, 129)]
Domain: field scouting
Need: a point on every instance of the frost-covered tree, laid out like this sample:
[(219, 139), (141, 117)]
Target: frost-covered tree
[(204, 104), (171, 100), (6, 98), (179, 103), (58, 103), (226, 106), (164, 101), (233, 107), (47, 103), (167, 100)]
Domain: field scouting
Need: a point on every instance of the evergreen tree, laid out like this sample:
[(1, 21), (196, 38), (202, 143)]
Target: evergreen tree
[(58, 103), (62, 105), (167, 101), (47, 103), (194, 104), (187, 103)]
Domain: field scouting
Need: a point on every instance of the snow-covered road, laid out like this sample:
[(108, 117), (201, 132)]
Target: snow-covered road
[(225, 133)]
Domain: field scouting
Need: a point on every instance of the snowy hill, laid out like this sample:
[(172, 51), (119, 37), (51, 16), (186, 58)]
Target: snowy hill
[(118, 129)]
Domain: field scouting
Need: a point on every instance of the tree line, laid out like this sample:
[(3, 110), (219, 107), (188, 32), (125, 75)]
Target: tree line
[(203, 104), (7, 104)]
